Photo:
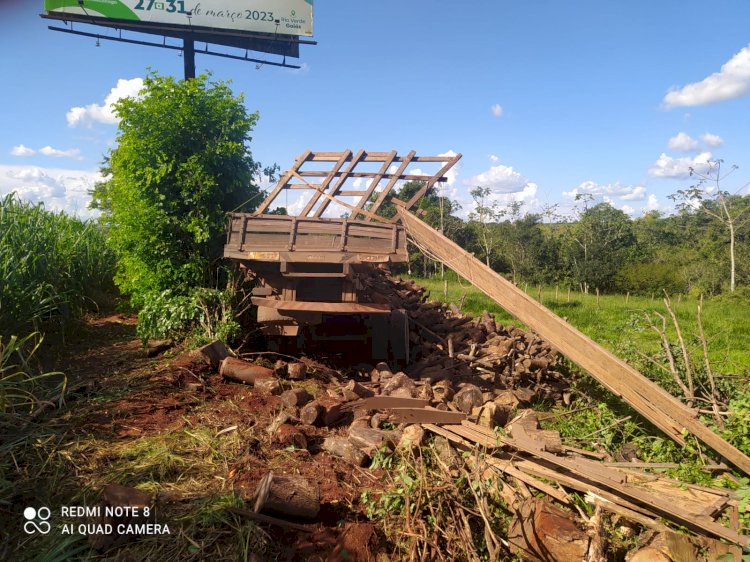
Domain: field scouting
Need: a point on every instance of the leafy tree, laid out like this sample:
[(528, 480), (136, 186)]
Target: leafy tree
[(600, 244), (181, 162), (486, 211), (729, 210)]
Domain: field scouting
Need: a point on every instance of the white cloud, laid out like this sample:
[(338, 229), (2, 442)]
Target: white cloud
[(732, 81), (608, 192), (506, 186), (59, 190), (497, 110), (22, 150), (682, 142), (493, 158), (652, 204), (74, 153), (669, 167), (712, 140), (500, 179), (94, 113), (627, 209)]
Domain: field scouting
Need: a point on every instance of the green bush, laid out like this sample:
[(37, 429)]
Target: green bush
[(203, 315), (180, 164)]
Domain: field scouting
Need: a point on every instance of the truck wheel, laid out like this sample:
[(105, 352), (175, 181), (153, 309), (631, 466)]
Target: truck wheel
[(399, 339)]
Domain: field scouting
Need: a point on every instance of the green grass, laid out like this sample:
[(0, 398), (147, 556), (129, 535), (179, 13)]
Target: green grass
[(619, 322)]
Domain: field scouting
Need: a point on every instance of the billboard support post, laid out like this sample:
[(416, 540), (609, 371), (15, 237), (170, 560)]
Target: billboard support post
[(188, 54)]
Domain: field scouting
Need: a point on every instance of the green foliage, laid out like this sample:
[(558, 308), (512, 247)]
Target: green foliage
[(737, 425), (205, 314), (52, 266), (181, 162), (598, 246), (20, 384)]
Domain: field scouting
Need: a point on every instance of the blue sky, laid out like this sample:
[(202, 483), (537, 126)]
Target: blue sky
[(544, 99)]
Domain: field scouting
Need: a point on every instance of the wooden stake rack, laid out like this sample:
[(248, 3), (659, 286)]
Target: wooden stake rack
[(326, 178)]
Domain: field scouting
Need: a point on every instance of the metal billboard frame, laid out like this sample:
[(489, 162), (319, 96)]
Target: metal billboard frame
[(276, 44)]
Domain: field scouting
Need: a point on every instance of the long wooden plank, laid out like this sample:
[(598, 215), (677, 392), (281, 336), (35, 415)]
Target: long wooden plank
[(650, 400), (426, 415), (380, 402)]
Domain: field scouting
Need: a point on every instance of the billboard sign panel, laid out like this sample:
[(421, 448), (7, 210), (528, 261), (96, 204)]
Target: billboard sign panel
[(283, 17)]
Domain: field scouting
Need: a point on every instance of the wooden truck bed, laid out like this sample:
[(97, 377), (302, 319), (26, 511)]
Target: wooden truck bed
[(280, 238)]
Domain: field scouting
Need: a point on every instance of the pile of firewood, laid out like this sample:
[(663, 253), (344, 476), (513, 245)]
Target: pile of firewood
[(448, 344)]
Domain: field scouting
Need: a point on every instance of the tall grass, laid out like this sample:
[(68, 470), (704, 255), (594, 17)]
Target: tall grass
[(50, 265)]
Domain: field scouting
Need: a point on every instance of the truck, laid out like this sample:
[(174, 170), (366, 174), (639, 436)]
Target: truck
[(309, 257)]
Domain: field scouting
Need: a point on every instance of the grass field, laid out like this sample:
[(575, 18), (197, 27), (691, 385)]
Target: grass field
[(620, 322)]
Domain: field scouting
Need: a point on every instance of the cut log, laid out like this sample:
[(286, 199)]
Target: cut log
[(343, 448), (412, 438), (296, 371), (243, 371), (354, 391), (543, 532), (269, 386), (325, 411), (214, 353), (311, 413), (467, 398), (287, 495), (290, 436), (369, 439), (400, 385), (295, 398)]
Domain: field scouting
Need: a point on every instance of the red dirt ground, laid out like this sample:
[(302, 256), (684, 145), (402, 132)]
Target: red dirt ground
[(151, 396)]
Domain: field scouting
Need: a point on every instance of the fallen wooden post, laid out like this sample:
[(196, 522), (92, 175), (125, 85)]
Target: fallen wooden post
[(649, 399)]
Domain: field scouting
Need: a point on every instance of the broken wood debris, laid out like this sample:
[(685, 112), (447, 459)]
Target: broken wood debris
[(695, 508)]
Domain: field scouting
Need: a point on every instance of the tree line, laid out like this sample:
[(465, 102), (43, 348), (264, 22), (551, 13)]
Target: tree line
[(702, 248)]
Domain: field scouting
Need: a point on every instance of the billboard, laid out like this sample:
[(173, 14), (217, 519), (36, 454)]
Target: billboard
[(276, 17)]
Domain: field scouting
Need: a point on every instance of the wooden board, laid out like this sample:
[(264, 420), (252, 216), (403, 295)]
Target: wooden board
[(650, 400), (425, 415), (381, 402)]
